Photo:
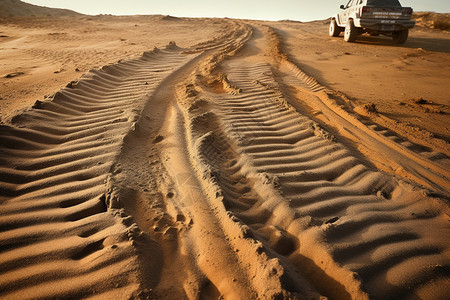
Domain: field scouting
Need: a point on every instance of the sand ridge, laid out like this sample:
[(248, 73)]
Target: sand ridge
[(17, 8), (269, 132), (387, 150), (193, 172), (50, 52), (61, 164)]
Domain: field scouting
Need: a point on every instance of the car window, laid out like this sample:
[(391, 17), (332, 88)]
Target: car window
[(393, 3)]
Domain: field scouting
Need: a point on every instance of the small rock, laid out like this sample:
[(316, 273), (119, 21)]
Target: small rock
[(332, 220), (158, 139), (72, 84), (14, 74), (380, 194), (37, 104), (421, 101), (370, 108)]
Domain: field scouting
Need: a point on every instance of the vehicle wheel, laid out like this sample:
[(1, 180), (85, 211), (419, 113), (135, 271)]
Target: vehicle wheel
[(400, 37), (335, 30), (351, 32)]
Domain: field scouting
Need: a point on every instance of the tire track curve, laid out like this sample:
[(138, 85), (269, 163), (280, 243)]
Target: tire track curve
[(403, 159), (60, 235), (353, 232), (187, 173), (206, 252)]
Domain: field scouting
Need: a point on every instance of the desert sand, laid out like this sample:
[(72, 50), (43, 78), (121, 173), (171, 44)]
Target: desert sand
[(157, 157)]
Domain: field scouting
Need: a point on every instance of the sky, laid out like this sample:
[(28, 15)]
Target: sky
[(300, 10)]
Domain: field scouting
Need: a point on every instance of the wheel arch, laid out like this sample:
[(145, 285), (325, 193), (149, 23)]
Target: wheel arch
[(336, 18)]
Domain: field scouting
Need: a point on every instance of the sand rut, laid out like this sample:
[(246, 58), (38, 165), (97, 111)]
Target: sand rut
[(58, 237), (188, 173), (389, 151), (314, 206)]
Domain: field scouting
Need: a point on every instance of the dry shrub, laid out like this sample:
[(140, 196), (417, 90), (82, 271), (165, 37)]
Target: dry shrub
[(432, 20), (370, 108), (442, 24)]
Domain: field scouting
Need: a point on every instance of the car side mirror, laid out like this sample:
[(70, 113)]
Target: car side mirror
[(342, 7)]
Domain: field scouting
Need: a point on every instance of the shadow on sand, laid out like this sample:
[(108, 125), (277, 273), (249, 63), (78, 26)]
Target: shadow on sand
[(429, 44)]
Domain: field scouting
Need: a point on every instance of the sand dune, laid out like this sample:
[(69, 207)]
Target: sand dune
[(17, 8), (432, 20), (217, 170)]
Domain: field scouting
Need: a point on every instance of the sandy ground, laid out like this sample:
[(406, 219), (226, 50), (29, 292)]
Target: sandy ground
[(246, 160), (375, 70), (53, 52)]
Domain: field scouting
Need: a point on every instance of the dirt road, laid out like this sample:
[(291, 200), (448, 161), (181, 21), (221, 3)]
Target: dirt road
[(198, 173)]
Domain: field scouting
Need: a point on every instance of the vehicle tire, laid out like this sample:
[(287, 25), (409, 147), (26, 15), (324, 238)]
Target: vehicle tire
[(400, 37), (335, 30), (351, 32)]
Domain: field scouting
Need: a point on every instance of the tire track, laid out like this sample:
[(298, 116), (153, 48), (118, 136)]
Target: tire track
[(387, 151), (351, 231), (60, 233), (187, 173), (206, 253)]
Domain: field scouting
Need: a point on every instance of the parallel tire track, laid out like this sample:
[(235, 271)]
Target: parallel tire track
[(223, 174), (364, 222), (403, 158)]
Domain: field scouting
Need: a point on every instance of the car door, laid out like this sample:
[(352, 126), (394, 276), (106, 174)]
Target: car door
[(347, 11)]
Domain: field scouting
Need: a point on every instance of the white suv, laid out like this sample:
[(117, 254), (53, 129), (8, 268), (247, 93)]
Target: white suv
[(386, 17)]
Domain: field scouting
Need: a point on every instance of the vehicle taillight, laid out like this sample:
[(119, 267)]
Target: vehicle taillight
[(408, 11)]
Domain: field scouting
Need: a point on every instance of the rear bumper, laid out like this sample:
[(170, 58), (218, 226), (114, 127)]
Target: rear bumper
[(384, 25)]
